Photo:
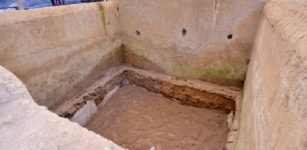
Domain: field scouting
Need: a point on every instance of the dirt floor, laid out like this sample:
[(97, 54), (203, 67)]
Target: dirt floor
[(140, 120)]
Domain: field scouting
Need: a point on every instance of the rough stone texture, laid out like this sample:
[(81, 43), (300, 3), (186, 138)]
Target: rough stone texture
[(188, 92), (233, 123), (190, 38), (274, 112), (202, 95), (28, 126), (59, 51), (141, 120), (96, 92)]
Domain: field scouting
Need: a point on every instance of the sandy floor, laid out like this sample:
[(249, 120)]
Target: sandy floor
[(140, 120)]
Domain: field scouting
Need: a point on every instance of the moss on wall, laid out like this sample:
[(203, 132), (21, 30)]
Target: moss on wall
[(219, 69)]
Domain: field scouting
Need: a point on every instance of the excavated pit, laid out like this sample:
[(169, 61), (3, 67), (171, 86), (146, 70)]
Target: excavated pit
[(138, 119), (140, 109)]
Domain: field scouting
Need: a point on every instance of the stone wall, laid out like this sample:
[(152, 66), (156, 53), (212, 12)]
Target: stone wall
[(59, 51), (274, 112), (203, 39)]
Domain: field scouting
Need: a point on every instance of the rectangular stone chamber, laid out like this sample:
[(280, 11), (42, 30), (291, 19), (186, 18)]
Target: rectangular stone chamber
[(138, 119), (140, 109)]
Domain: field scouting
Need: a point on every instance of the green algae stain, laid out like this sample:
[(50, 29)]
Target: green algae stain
[(102, 17), (220, 69)]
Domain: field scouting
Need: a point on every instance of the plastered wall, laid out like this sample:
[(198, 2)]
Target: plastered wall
[(26, 125), (203, 39), (274, 111), (59, 51)]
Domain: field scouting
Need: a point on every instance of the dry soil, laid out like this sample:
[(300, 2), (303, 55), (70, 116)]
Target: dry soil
[(138, 119)]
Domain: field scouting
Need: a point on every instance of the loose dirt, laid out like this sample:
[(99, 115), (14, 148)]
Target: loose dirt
[(138, 119)]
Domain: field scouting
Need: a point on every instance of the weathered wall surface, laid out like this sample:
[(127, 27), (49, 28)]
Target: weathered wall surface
[(59, 51), (274, 112), (25, 125), (190, 38)]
